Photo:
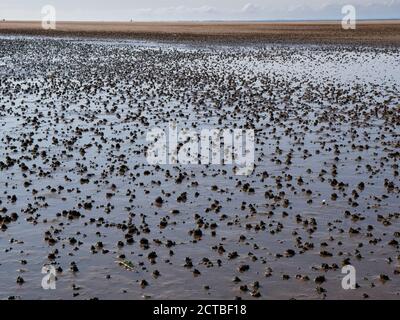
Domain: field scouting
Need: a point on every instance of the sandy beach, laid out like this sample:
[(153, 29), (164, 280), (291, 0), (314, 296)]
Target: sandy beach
[(382, 32), (80, 200)]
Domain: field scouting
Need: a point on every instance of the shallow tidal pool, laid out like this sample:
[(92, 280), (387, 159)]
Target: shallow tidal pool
[(77, 192)]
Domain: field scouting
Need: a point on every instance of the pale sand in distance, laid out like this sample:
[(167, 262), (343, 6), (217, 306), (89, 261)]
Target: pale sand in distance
[(384, 32)]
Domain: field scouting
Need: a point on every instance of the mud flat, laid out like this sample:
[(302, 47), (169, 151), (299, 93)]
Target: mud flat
[(382, 32), (77, 192)]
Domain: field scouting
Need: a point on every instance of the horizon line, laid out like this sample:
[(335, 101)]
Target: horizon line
[(208, 20)]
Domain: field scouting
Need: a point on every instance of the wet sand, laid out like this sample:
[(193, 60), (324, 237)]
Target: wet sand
[(77, 192), (367, 32)]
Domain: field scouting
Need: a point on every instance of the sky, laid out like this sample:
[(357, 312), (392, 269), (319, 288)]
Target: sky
[(167, 10)]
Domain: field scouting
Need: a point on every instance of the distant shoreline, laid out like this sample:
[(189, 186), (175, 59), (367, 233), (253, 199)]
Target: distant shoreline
[(368, 32)]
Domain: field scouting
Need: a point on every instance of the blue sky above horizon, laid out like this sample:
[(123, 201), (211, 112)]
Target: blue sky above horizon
[(165, 10)]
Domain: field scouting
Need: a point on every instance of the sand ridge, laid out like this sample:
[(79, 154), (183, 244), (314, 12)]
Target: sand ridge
[(385, 32)]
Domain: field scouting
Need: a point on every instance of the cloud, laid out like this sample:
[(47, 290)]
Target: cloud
[(140, 10), (250, 8), (273, 10), (176, 13)]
